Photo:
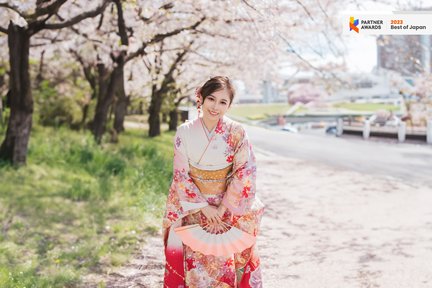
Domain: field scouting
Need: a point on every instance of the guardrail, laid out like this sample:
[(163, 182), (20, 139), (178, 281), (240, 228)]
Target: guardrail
[(400, 131)]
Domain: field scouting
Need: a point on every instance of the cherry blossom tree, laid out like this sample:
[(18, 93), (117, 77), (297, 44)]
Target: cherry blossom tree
[(29, 19), (145, 26)]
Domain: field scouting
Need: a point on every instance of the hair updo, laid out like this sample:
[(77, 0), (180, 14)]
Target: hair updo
[(215, 84)]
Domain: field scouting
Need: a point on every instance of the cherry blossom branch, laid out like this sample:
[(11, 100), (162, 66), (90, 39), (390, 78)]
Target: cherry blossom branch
[(78, 18), (160, 37)]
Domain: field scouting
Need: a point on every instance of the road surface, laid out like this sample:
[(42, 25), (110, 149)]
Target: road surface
[(408, 162)]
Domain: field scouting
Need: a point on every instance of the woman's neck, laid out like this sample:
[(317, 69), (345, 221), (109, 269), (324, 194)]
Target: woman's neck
[(210, 125)]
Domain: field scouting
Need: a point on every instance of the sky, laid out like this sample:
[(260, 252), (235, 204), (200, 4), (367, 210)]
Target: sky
[(360, 50), (362, 53)]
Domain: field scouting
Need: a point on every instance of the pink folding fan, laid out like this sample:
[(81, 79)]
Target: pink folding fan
[(210, 240)]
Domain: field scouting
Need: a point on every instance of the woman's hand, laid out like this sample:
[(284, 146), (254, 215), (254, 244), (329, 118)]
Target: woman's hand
[(212, 214), (221, 210)]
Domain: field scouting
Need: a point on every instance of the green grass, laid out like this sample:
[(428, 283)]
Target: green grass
[(367, 107), (78, 208), (263, 111), (258, 111)]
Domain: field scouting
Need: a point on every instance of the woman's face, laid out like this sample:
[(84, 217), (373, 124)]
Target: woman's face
[(216, 105)]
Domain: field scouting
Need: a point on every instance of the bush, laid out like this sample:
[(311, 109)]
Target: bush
[(55, 109)]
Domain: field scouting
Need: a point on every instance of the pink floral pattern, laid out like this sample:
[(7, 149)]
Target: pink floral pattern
[(172, 216), (178, 142), (230, 158), (244, 211), (220, 128)]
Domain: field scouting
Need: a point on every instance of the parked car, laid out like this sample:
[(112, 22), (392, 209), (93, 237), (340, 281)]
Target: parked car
[(331, 130), (288, 127)]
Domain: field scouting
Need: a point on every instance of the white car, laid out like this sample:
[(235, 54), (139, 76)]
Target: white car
[(290, 128)]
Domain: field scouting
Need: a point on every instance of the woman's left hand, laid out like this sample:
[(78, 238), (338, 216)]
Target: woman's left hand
[(221, 210)]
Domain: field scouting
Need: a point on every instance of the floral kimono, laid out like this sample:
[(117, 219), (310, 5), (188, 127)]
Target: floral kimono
[(210, 168)]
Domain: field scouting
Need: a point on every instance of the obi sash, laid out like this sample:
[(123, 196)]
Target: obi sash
[(211, 181)]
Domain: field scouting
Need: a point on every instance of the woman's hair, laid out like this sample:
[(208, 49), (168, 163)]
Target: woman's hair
[(215, 84)]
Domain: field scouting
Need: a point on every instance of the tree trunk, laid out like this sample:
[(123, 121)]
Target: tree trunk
[(1, 111), (39, 76), (121, 106), (154, 111), (15, 145), (1, 100), (108, 82), (2, 82), (92, 80), (173, 122), (164, 117), (85, 109)]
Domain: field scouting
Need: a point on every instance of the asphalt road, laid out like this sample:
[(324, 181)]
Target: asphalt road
[(408, 162)]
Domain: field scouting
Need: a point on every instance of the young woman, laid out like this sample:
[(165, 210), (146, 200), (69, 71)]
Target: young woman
[(213, 186)]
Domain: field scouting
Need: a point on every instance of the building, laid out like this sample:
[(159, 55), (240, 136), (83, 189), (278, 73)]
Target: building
[(409, 55)]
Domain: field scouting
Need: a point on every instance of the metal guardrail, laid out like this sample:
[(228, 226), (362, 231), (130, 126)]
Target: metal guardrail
[(401, 131)]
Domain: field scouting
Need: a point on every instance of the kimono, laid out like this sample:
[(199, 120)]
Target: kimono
[(210, 168)]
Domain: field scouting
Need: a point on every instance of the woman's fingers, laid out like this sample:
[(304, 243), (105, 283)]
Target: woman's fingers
[(212, 215), (212, 220), (216, 219)]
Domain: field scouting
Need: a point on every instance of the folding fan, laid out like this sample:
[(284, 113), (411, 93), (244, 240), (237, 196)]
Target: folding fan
[(212, 241)]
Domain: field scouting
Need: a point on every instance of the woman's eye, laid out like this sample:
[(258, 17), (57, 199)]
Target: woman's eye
[(223, 103)]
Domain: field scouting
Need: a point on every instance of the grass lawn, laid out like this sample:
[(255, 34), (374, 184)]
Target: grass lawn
[(257, 111), (262, 111), (367, 107), (78, 208)]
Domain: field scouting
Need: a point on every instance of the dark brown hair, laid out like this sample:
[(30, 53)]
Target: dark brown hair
[(215, 84)]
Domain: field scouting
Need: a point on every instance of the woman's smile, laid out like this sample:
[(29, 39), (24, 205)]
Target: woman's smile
[(213, 113)]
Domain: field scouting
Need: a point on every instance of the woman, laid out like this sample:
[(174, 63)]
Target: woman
[(214, 185)]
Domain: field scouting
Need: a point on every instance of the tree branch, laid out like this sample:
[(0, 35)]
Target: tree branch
[(250, 6), (3, 30), (121, 23), (155, 15), (85, 35), (178, 60), (207, 59), (161, 37), (177, 103), (317, 69), (78, 18), (215, 34), (147, 64), (50, 41), (87, 69), (50, 9)]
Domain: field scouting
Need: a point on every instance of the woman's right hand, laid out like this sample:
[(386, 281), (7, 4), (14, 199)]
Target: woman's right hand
[(212, 215)]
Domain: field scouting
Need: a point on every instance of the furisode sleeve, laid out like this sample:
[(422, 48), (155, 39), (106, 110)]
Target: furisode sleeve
[(240, 193)]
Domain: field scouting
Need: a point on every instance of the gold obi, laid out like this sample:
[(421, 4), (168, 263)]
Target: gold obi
[(210, 181)]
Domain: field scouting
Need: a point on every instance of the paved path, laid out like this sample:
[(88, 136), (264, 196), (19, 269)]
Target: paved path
[(409, 162), (326, 227)]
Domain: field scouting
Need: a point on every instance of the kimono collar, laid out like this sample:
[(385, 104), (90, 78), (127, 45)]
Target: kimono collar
[(210, 134)]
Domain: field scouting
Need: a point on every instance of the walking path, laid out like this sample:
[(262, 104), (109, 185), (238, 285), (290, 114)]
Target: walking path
[(325, 227)]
